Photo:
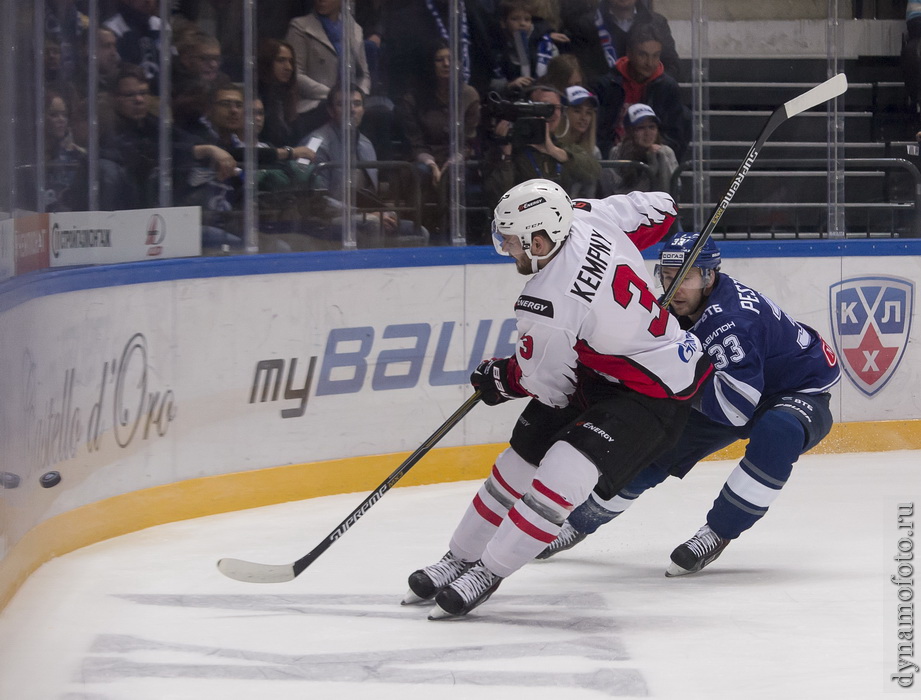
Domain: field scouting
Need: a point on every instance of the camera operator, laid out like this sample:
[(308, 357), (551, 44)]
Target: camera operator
[(524, 147)]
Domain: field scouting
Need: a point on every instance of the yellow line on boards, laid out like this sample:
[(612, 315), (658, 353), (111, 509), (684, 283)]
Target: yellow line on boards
[(196, 498)]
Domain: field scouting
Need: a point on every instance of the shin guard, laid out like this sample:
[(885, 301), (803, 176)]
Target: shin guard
[(565, 477), (509, 478)]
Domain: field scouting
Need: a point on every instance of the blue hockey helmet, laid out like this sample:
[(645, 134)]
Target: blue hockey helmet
[(676, 250)]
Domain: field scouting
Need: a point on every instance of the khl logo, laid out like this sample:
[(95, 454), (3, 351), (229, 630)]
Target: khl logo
[(871, 324)]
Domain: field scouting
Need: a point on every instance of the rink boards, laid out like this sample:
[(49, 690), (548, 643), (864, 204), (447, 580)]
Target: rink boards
[(181, 388)]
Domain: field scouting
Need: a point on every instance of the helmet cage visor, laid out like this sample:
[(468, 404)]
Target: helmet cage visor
[(510, 244), (697, 277)]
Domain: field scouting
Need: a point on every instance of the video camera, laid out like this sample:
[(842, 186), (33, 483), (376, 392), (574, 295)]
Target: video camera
[(529, 119)]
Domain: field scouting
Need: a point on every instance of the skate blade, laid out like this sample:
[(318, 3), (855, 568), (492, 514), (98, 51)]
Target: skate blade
[(440, 613), (675, 570), (412, 599)]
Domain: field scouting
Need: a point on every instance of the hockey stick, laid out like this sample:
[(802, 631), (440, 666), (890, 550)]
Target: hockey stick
[(277, 573), (828, 90)]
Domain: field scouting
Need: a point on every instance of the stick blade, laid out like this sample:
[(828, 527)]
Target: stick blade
[(824, 92), (251, 572)]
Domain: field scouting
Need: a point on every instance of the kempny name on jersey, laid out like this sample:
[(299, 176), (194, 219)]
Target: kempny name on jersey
[(591, 273)]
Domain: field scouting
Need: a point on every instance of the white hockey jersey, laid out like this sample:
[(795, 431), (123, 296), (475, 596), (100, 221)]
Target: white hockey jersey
[(593, 304)]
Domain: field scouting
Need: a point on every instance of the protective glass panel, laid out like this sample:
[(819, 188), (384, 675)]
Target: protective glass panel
[(148, 104)]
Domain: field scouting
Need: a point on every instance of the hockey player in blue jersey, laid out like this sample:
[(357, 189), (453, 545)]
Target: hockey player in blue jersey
[(771, 386)]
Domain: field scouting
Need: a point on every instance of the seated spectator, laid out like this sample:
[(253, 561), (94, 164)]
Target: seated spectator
[(581, 117), (579, 130), (549, 12), (223, 19), (527, 48), (108, 60), (65, 162), (52, 62), (137, 25), (640, 77), (281, 169), (599, 30), (108, 63), (642, 143), (369, 15), (277, 81), (913, 19), (198, 61), (911, 59), (424, 115), (129, 139), (66, 26), (55, 78), (374, 227), (196, 70), (206, 174), (208, 160), (412, 27), (317, 40), (512, 161), (563, 72)]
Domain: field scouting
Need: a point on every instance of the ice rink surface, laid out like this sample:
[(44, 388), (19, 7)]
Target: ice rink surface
[(801, 606)]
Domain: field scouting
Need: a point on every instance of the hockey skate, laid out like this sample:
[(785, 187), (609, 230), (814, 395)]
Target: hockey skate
[(699, 551), (425, 583), (465, 593), (568, 538)]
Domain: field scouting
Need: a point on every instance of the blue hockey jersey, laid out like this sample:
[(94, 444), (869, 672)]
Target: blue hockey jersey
[(758, 351)]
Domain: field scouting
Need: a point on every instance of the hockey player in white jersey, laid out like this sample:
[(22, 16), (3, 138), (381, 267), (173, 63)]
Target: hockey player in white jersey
[(771, 386), (610, 375)]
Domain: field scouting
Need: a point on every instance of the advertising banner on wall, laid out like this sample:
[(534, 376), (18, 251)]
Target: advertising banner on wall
[(30, 242), (172, 380), (105, 237), (7, 261)]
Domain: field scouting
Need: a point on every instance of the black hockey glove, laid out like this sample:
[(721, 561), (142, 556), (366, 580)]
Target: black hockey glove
[(496, 381)]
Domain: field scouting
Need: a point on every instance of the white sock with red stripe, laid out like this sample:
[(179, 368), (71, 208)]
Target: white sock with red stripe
[(510, 477), (565, 478)]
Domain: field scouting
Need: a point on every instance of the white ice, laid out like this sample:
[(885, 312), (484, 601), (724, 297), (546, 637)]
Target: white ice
[(801, 606)]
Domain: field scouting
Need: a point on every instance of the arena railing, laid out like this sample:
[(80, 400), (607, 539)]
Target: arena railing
[(758, 219)]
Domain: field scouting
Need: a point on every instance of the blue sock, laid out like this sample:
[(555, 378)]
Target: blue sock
[(594, 513), (775, 444)]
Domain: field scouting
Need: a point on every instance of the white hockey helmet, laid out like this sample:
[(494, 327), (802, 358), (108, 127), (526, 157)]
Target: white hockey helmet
[(532, 206)]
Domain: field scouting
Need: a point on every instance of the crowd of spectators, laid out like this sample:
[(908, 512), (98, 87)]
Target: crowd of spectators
[(607, 68)]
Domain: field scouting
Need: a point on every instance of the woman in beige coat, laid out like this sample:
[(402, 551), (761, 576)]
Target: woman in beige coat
[(317, 39)]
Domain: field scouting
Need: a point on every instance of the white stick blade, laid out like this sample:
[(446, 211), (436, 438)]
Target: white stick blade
[(828, 90), (250, 572)]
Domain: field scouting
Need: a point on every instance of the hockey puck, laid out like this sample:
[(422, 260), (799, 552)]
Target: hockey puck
[(50, 479), (8, 480)]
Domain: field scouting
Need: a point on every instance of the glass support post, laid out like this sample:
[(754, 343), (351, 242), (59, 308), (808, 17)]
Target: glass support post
[(250, 168), (165, 193), (349, 140), (456, 167), (835, 124)]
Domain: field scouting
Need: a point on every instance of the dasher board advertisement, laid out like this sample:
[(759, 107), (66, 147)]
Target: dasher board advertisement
[(104, 237)]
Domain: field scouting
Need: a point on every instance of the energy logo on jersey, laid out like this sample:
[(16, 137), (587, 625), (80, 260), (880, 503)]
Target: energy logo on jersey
[(871, 322), (542, 307)]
